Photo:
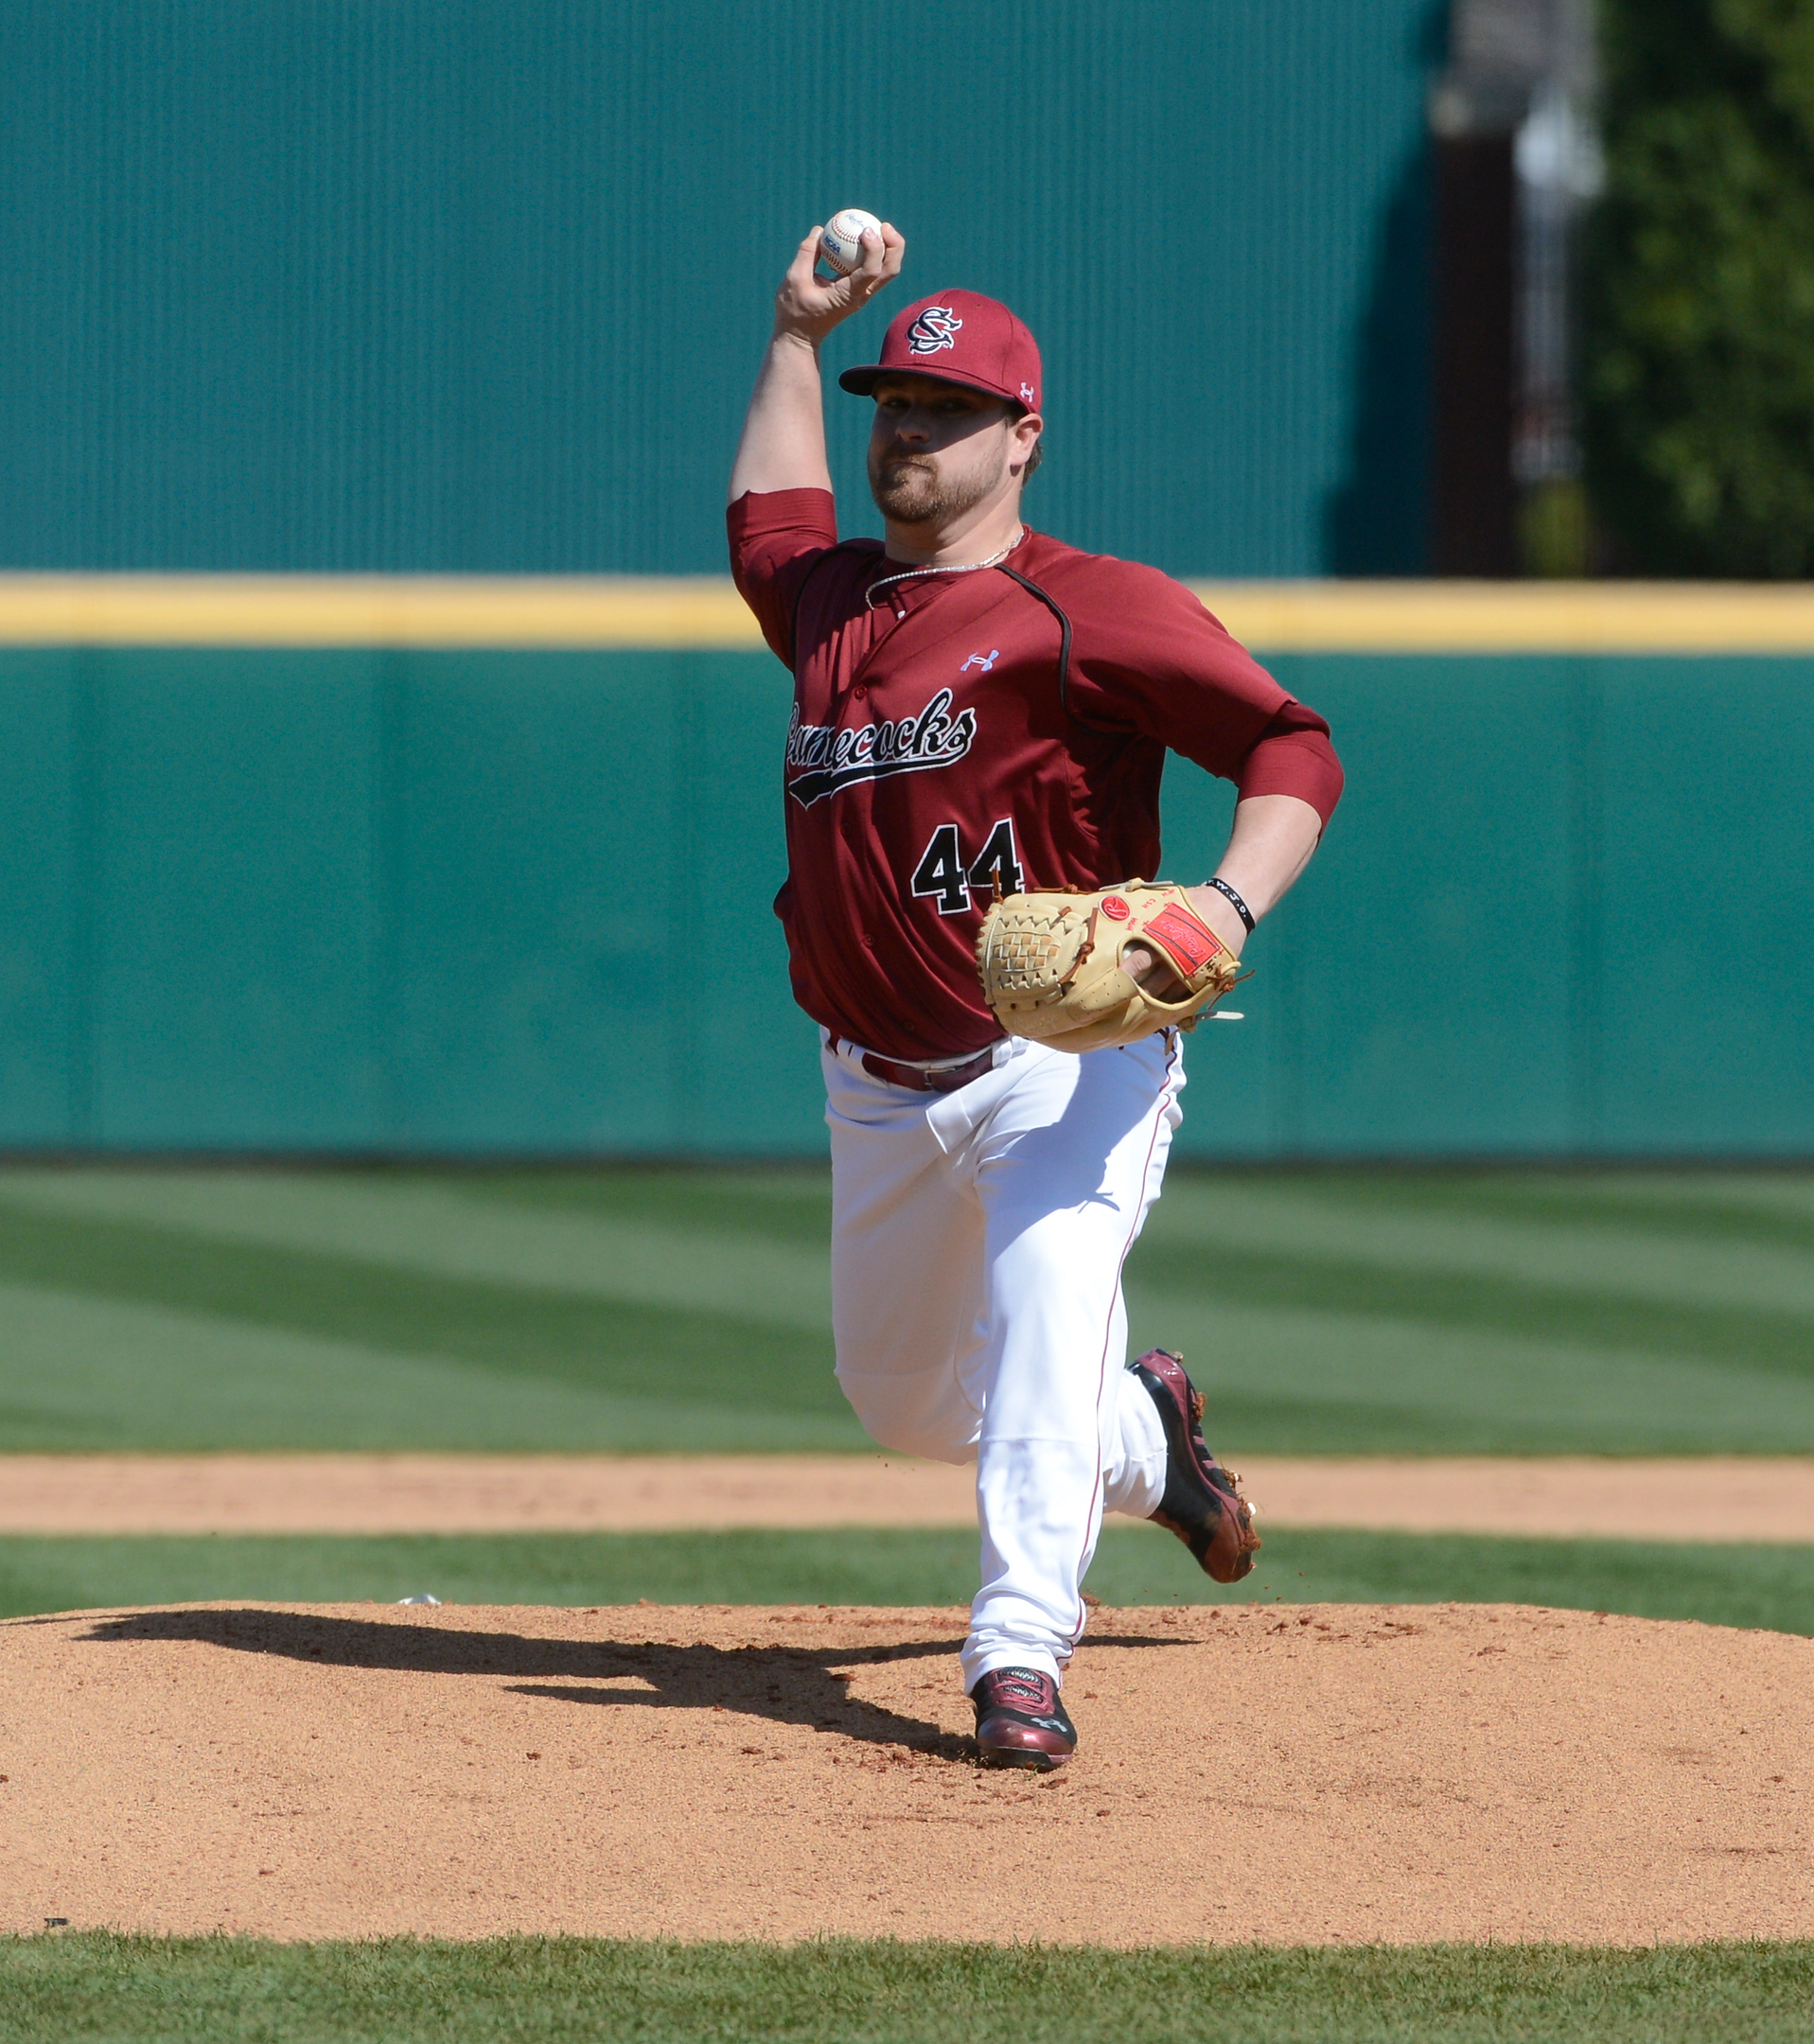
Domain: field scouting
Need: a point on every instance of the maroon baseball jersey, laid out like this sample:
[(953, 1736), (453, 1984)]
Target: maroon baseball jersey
[(953, 734)]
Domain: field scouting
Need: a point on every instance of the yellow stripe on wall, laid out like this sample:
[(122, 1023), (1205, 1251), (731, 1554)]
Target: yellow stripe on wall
[(668, 611), (705, 611), (1516, 617)]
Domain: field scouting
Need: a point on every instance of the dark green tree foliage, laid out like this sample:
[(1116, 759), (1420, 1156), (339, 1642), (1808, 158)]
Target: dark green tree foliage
[(1699, 369)]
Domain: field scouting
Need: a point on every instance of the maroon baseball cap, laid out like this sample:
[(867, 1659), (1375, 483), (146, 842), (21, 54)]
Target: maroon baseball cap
[(958, 337)]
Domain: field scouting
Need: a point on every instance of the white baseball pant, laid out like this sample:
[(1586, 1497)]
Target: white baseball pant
[(977, 1239)]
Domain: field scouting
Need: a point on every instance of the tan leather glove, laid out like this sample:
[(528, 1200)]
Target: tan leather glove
[(1050, 965)]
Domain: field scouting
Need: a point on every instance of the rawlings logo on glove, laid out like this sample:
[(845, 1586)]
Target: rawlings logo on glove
[(1050, 965)]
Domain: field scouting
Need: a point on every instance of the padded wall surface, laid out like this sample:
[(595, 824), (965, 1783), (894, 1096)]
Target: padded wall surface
[(388, 900), (467, 285)]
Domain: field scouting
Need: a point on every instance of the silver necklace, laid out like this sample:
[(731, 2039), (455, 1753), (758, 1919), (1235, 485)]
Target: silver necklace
[(915, 574)]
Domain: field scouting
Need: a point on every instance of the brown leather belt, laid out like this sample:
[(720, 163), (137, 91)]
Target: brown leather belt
[(917, 1080)]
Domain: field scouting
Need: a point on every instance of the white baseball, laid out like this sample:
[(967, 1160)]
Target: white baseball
[(841, 241)]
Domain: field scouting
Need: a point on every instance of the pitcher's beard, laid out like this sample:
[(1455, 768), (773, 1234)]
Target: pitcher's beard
[(911, 492)]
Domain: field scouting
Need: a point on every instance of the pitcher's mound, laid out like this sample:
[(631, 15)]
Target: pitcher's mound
[(1311, 1774)]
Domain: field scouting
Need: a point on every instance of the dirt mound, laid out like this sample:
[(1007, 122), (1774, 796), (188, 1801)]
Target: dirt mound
[(1319, 1775)]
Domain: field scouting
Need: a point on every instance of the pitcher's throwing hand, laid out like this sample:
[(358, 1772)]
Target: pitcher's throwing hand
[(809, 306)]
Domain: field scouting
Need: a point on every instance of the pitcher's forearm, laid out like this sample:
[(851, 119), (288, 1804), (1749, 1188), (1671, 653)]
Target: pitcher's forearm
[(1270, 845), (784, 431)]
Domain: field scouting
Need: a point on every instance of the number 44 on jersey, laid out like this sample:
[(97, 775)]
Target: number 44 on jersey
[(944, 875)]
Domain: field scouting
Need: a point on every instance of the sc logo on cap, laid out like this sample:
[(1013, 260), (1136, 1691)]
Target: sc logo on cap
[(937, 327)]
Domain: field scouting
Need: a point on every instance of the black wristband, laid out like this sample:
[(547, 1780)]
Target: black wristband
[(1242, 909)]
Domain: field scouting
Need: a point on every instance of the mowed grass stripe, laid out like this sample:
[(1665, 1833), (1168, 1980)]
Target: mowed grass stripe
[(787, 1202), (1173, 1274), (436, 1232), (687, 1310), (1770, 1587), (1604, 1260), (1289, 1382), (1766, 1206), (95, 1985), (92, 1372), (302, 1350), (460, 1228), (1392, 1350), (436, 1360)]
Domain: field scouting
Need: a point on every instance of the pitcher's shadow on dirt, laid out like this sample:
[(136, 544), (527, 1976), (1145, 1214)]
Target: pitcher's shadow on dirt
[(785, 1684)]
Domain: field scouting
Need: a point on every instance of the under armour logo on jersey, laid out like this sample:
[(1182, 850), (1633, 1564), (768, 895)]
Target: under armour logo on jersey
[(985, 660), (937, 327)]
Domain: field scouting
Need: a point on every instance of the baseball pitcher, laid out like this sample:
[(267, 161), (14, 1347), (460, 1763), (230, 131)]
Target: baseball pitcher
[(982, 715)]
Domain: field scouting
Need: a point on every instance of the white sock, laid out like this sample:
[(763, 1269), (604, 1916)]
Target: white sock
[(1134, 1480)]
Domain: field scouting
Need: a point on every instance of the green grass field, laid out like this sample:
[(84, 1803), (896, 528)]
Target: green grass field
[(1771, 1587), (670, 1310), (673, 1309), (105, 1990)]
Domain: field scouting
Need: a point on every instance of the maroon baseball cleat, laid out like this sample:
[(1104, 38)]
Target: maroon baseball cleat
[(1020, 1721), (1201, 1503)]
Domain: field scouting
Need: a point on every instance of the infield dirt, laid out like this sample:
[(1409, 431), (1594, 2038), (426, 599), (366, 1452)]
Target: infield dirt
[(1317, 1774), (1721, 1498)]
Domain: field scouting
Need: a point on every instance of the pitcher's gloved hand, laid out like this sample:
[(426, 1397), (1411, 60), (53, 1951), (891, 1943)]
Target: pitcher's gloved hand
[(1052, 965)]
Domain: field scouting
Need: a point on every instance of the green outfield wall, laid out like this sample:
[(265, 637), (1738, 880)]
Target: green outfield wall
[(363, 889), (480, 286)]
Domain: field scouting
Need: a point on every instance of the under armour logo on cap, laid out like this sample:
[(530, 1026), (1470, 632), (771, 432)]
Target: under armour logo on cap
[(937, 327)]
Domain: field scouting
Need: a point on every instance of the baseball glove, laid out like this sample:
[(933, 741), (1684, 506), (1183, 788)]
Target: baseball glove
[(1050, 965)]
